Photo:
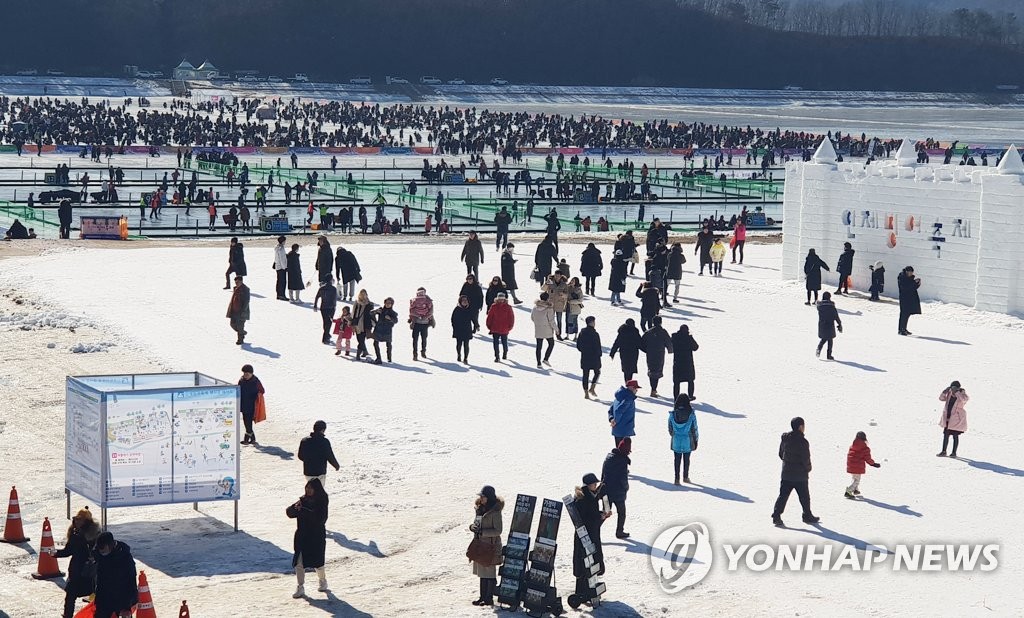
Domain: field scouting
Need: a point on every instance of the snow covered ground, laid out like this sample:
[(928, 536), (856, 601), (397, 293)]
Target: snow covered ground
[(418, 440)]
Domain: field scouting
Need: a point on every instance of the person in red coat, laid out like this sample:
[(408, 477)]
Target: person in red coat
[(500, 320), (858, 456)]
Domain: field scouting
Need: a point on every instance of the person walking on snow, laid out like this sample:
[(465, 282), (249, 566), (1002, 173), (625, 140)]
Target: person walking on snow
[(717, 252), (343, 330), (324, 258), (382, 331), (655, 343), (627, 344), (327, 297), (463, 327), (315, 453), (591, 266), (617, 278), (795, 453), (856, 458), (615, 479), (249, 390), (500, 320), (676, 259), (954, 417), (828, 324), (236, 262), (682, 427), (508, 272), (845, 269), (116, 578), (82, 535), (310, 541), (544, 327), (238, 309), (622, 411), (421, 318), (362, 323), (473, 254), (705, 238), (683, 370), (812, 271), (589, 345)]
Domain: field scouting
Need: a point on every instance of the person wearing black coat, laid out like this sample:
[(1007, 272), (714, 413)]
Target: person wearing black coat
[(705, 239), (795, 453), (347, 272), (236, 262), (683, 347), (812, 270), (295, 285), (615, 479), (650, 304), (828, 322), (545, 257), (315, 452), (473, 254), (588, 506), (493, 289), (676, 259), (116, 578), (656, 234), (310, 541), (82, 535), (501, 221), (553, 227), (464, 324), (475, 295), (655, 343), (910, 300), (249, 390), (324, 258), (877, 279), (64, 215), (387, 317), (627, 344), (617, 279), (327, 297), (589, 345), (508, 272), (845, 269), (627, 244), (591, 266)]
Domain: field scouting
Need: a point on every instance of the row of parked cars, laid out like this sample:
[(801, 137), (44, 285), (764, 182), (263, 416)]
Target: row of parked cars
[(31, 72)]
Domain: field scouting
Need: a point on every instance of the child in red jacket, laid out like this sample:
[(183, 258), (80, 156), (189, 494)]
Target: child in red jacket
[(856, 458)]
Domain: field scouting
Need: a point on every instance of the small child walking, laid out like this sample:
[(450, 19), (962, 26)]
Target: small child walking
[(717, 257), (343, 330), (858, 455)]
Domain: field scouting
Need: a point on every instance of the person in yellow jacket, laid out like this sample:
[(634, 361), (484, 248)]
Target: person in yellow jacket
[(717, 256)]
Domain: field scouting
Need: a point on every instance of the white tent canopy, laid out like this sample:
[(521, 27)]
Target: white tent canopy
[(201, 95)]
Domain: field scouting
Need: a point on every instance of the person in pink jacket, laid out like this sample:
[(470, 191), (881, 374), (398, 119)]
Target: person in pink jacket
[(953, 419)]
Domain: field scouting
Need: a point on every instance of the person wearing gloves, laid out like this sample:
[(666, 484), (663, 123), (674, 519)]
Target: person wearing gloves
[(954, 417), (856, 458)]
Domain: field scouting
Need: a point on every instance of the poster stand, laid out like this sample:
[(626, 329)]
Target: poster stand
[(516, 552), (541, 596), (151, 439)]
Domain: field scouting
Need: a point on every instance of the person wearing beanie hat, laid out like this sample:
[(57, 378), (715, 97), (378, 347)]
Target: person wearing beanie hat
[(544, 327), (953, 419), (589, 345), (499, 322), (622, 412), (877, 279), (795, 453), (588, 507), (910, 298), (682, 426), (82, 535), (615, 478), (281, 267), (485, 550), (495, 287)]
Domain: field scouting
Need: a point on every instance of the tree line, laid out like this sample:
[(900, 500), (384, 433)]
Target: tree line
[(688, 43)]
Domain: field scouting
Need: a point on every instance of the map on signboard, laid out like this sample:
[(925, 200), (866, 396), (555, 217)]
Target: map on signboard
[(138, 448), (205, 434)]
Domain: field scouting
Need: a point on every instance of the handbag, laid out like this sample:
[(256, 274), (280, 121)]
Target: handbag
[(693, 437), (260, 414), (485, 551)]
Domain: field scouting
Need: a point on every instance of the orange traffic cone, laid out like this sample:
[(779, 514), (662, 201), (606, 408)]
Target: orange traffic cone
[(13, 532), (183, 612), (145, 607), (48, 567)]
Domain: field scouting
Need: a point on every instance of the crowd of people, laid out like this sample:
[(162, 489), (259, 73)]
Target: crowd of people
[(451, 130)]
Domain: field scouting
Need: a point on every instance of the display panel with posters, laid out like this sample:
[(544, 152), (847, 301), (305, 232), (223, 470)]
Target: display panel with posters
[(205, 435), (139, 458), (83, 445)]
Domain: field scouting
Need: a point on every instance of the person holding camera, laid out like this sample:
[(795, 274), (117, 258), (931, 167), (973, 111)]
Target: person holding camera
[(310, 541), (910, 300), (953, 419)]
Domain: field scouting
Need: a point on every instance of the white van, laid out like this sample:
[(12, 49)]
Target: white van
[(430, 80), (362, 79)]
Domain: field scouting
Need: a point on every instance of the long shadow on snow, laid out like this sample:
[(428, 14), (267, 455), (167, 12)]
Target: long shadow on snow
[(487, 370), (838, 537), (202, 546), (859, 366), (276, 451), (613, 609), (363, 548), (710, 409), (457, 367), (714, 492), (991, 467), (401, 367), (333, 606), (941, 340), (248, 347), (632, 546), (903, 509)]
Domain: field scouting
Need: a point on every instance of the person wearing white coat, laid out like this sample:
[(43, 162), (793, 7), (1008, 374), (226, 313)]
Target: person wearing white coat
[(544, 327), (281, 267)]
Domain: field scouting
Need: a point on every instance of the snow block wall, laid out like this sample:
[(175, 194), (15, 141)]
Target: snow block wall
[(960, 227)]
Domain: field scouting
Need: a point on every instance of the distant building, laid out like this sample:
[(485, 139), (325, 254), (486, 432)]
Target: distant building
[(207, 71), (185, 70)]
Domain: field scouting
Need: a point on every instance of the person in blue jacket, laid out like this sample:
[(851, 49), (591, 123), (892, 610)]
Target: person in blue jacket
[(682, 426), (622, 412)]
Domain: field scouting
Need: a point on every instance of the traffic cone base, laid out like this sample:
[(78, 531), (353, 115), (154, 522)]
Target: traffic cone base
[(13, 530), (145, 607), (48, 567)]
